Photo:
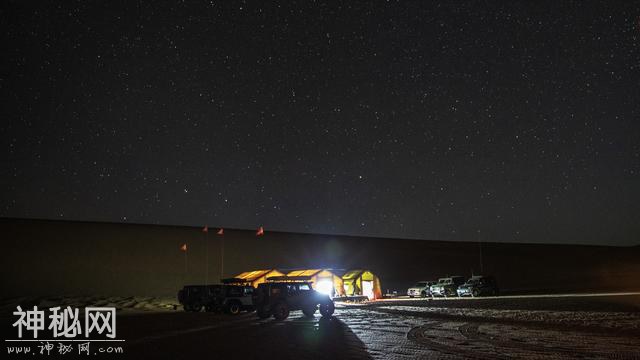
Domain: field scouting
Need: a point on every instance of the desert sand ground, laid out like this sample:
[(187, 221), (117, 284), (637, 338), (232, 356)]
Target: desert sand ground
[(593, 326)]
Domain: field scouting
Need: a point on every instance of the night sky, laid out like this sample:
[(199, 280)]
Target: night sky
[(495, 121)]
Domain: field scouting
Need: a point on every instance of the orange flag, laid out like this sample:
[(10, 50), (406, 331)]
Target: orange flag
[(260, 231), (183, 247), (221, 231), (205, 229)]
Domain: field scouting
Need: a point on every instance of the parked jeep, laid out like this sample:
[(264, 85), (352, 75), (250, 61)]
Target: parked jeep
[(478, 286), (195, 297), (231, 299), (447, 286), (421, 288), (277, 298)]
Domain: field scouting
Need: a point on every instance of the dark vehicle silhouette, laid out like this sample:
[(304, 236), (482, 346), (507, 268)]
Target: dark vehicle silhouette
[(281, 295), (479, 286), (231, 299)]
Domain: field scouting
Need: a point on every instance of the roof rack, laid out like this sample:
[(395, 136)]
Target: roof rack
[(289, 278)]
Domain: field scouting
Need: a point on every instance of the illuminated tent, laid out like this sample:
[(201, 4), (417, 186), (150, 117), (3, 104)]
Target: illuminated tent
[(257, 276), (362, 283), (322, 280)]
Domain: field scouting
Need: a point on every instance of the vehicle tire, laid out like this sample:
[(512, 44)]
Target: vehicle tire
[(326, 309), (186, 307), (475, 293), (280, 311), (423, 294), (233, 308), (310, 311), (196, 308), (411, 296), (263, 313)]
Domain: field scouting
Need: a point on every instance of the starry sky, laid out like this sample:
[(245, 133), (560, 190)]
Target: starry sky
[(511, 121)]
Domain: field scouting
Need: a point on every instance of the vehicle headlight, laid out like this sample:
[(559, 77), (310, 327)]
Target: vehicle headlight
[(325, 287)]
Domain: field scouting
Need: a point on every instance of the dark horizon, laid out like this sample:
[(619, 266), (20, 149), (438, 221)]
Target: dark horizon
[(505, 122), (213, 228)]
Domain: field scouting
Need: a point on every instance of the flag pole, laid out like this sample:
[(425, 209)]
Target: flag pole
[(206, 257), (222, 257), (183, 248), (221, 234)]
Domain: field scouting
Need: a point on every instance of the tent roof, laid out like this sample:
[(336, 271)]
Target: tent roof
[(253, 275), (352, 274), (289, 278), (309, 272), (314, 272)]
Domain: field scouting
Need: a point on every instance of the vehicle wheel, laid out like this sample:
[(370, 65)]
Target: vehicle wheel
[(280, 311), (475, 293), (233, 308), (263, 313), (309, 311), (411, 296), (196, 308), (186, 307), (423, 294), (327, 309)]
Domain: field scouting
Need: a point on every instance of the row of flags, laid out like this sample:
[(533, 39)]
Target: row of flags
[(220, 231), (259, 232), (205, 229)]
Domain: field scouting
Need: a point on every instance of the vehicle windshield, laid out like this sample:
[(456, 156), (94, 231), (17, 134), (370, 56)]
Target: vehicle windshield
[(420, 284), (473, 281), (304, 287), (442, 281)]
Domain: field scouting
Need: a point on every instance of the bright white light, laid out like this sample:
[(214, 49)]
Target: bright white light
[(367, 289), (325, 286)]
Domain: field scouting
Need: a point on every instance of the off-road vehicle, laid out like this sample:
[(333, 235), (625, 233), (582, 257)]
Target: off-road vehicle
[(421, 288), (231, 299), (447, 286), (280, 295), (478, 286), (195, 297)]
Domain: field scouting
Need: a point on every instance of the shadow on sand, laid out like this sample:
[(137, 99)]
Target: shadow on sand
[(330, 337), (189, 335)]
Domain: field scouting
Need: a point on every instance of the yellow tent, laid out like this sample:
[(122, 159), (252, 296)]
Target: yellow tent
[(322, 280), (257, 276), (362, 283)]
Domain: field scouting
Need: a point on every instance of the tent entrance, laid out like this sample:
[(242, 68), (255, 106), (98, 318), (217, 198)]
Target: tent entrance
[(367, 289)]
